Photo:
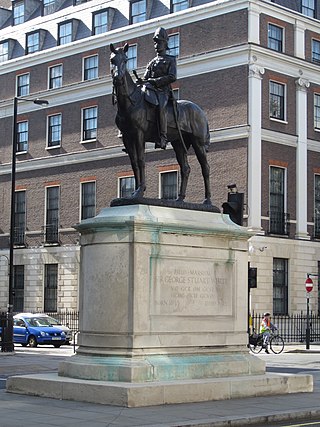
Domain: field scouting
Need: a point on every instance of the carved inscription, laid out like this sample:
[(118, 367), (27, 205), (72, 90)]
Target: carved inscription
[(193, 287)]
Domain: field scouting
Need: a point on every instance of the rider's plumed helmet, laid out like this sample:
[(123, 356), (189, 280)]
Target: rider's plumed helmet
[(161, 34)]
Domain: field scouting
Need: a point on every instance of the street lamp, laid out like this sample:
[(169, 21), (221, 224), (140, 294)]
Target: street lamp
[(9, 330)]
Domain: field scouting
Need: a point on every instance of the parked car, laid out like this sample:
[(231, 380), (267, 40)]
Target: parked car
[(34, 329), (55, 322)]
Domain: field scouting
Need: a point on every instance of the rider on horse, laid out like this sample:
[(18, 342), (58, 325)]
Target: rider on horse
[(160, 73)]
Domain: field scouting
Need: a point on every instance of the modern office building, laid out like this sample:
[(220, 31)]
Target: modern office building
[(254, 68)]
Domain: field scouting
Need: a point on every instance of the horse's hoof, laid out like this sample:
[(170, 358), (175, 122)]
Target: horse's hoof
[(180, 200)]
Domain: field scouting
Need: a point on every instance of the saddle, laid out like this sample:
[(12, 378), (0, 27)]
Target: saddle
[(150, 95)]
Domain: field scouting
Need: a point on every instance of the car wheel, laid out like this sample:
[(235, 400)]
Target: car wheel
[(32, 341), (57, 345)]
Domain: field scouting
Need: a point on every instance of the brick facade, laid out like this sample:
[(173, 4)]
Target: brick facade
[(219, 54)]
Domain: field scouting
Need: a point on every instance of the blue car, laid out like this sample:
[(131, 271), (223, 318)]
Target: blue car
[(33, 330)]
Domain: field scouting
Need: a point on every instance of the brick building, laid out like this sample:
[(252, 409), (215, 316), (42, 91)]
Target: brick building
[(252, 65)]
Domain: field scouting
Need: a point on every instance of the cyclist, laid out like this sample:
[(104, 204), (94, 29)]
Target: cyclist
[(265, 327)]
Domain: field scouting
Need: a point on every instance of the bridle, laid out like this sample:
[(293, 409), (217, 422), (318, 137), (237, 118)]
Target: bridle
[(118, 72)]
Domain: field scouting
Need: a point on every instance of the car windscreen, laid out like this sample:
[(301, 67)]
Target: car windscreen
[(53, 321), (38, 321)]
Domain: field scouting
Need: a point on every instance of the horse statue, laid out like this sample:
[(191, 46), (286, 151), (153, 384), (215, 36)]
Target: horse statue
[(137, 121)]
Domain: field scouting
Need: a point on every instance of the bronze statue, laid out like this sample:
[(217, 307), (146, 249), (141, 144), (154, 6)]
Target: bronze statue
[(160, 73), (137, 121)]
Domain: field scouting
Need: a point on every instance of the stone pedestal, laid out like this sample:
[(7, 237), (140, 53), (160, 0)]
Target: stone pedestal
[(163, 313)]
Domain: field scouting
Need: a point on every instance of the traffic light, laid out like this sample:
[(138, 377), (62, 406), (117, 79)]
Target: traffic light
[(234, 207), (252, 277)]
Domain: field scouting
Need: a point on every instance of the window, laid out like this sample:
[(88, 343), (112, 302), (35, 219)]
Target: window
[(169, 185), (316, 121), (126, 186), (90, 67), (176, 93), (174, 44), (18, 13), (52, 215), (138, 11), (132, 57), (100, 22), (276, 100), (54, 130), (65, 33), (308, 8), (177, 5), (22, 137), (275, 37), (33, 42), (18, 288), (316, 51), (50, 287), (280, 286), (23, 84), (49, 7), (55, 76), (88, 200), (279, 220), (19, 217), (318, 288), (4, 51), (317, 207), (89, 123)]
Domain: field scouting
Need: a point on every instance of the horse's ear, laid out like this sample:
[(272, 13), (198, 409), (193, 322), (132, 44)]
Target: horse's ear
[(112, 48), (125, 48)]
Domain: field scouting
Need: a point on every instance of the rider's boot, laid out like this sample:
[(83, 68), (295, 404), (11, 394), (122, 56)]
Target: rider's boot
[(163, 141)]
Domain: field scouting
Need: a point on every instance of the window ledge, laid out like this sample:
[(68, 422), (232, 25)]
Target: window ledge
[(53, 147), (88, 141), (26, 151), (278, 120)]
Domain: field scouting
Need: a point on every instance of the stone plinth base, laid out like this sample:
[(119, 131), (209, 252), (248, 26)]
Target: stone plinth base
[(158, 393), (161, 367)]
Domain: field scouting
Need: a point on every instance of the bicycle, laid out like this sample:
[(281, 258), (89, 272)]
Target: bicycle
[(276, 342)]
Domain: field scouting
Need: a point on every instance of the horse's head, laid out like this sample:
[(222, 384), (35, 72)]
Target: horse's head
[(118, 59)]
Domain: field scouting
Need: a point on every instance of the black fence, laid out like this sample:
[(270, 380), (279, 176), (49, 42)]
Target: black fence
[(67, 318), (293, 327)]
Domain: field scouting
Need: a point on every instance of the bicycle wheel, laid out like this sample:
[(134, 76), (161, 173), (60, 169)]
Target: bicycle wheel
[(276, 344), (256, 348)]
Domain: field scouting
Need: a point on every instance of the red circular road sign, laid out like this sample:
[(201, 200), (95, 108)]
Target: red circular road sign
[(309, 284)]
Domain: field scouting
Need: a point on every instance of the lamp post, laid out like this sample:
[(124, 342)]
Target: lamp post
[(9, 330)]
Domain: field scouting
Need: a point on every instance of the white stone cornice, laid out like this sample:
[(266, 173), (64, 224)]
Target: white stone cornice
[(279, 138), (302, 84)]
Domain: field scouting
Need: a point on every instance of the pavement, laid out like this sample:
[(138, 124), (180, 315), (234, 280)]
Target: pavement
[(26, 411)]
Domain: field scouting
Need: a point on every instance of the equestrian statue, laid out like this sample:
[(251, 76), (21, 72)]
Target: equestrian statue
[(148, 112)]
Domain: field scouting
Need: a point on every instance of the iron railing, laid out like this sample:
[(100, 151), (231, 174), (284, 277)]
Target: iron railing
[(316, 230), (51, 233), (279, 223), (19, 236), (67, 318), (292, 327)]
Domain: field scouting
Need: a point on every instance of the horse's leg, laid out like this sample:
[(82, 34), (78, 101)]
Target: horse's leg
[(140, 151), (182, 159), (130, 148), (201, 154), (136, 153)]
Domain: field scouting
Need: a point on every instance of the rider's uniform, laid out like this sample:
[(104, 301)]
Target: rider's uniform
[(163, 69)]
